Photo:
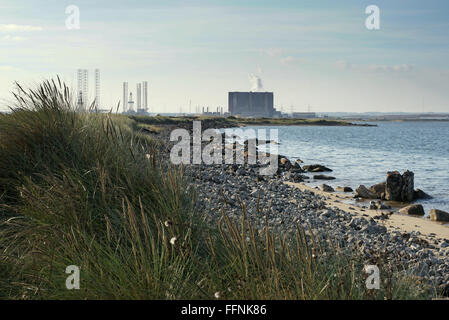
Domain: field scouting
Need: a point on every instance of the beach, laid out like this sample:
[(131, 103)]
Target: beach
[(414, 245)]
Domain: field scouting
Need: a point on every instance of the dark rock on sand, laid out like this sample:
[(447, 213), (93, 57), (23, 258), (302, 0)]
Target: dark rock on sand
[(379, 190), (414, 209), (393, 186), (363, 192), (344, 189), (439, 215), (399, 187), (408, 182), (326, 188)]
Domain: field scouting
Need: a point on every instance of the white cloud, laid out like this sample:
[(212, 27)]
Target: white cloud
[(272, 52), (399, 68), (291, 60), (10, 38), (393, 68), (342, 65), (18, 28)]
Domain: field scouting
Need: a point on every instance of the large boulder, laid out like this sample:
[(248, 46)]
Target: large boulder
[(408, 182), (393, 186), (363, 192), (399, 187), (414, 210), (316, 168), (439, 215)]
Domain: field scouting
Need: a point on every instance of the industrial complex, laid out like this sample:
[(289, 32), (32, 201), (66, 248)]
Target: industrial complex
[(83, 89), (141, 96), (251, 104)]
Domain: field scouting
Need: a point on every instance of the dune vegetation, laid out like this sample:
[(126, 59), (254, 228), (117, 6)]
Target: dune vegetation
[(92, 190)]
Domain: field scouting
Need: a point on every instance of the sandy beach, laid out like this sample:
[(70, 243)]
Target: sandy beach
[(396, 221)]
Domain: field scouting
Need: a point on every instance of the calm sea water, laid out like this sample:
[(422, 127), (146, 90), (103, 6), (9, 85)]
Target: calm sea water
[(363, 155)]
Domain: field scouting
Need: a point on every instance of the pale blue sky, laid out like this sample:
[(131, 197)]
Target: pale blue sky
[(306, 52)]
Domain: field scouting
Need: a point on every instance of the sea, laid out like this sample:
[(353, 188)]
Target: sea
[(363, 155)]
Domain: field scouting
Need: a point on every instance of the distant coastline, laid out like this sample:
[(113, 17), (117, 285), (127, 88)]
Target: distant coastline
[(228, 122)]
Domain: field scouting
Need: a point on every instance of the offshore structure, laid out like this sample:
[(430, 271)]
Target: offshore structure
[(141, 99), (83, 89)]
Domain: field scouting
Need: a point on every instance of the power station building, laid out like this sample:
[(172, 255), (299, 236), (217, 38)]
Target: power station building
[(251, 104)]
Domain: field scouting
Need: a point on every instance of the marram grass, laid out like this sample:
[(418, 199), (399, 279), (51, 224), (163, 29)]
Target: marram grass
[(89, 190)]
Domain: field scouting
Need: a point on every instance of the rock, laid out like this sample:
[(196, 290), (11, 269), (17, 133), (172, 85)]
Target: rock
[(419, 194), (284, 162), (378, 189), (323, 177), (357, 223), (373, 205), (316, 168), (414, 209), (439, 215), (326, 188), (363, 192), (374, 228), (407, 191), (344, 189), (384, 206), (298, 161), (257, 193), (393, 186), (296, 165), (399, 187), (296, 177)]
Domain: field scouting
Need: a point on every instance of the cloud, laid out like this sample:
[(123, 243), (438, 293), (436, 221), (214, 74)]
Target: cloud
[(342, 65), (272, 52), (10, 38), (393, 68), (291, 60), (397, 68), (18, 28)]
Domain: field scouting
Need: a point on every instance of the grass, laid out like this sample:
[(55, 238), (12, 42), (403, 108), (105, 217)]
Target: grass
[(90, 190), (222, 122)]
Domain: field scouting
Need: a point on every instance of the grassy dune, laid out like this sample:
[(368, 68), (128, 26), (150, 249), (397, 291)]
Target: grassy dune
[(90, 190)]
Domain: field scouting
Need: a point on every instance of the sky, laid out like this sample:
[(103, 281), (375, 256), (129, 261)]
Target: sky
[(314, 55)]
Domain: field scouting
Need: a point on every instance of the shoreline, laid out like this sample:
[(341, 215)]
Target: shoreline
[(396, 221), (416, 246)]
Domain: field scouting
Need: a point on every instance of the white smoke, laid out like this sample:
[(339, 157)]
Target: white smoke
[(256, 82)]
